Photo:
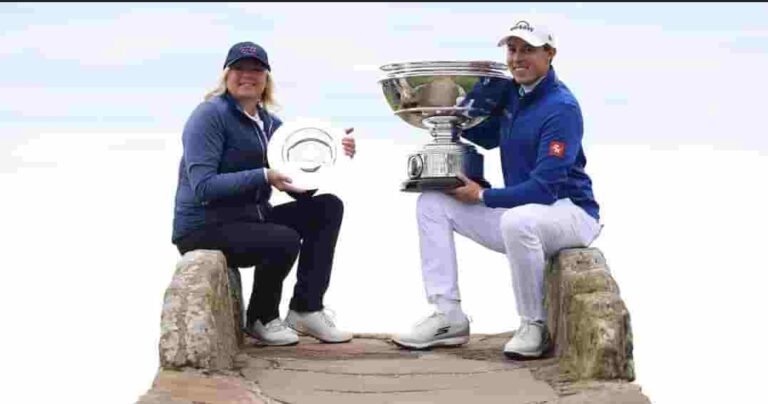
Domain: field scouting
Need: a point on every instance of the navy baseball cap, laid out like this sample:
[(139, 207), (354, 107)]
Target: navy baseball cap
[(243, 50)]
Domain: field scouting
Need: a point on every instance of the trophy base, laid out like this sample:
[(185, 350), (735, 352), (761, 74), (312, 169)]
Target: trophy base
[(437, 184), (430, 184)]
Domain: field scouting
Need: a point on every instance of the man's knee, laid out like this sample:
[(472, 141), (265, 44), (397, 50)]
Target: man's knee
[(430, 202)]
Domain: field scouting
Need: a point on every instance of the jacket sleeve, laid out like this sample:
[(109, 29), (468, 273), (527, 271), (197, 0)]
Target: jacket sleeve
[(559, 146), (203, 142), (489, 95), (485, 135)]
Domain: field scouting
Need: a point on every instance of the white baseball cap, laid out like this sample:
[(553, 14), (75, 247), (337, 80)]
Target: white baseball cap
[(535, 35)]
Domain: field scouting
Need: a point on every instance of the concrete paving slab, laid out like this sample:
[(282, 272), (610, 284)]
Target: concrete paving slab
[(380, 372), (434, 364), (414, 385), (370, 369), (194, 387)]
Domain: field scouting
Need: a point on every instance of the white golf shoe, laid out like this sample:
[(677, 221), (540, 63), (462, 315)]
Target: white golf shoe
[(435, 330), (530, 341), (273, 333), (317, 324)]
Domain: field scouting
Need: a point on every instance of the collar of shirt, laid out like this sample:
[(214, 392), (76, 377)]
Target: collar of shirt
[(256, 119), (234, 104), (527, 88)]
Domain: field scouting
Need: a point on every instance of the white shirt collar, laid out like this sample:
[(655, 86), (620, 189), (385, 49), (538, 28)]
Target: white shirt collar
[(529, 87), (256, 119)]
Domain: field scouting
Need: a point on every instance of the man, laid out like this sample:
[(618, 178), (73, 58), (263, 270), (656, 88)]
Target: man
[(546, 203)]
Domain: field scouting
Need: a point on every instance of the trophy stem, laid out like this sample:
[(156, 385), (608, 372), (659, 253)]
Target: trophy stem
[(444, 129)]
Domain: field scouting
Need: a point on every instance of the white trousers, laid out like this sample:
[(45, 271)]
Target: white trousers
[(528, 235)]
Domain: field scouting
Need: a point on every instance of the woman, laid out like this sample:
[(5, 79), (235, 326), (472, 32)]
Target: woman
[(222, 203)]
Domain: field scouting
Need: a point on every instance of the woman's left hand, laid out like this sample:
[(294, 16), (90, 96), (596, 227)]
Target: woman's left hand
[(349, 143)]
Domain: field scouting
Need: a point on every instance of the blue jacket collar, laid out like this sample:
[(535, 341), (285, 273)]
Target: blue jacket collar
[(232, 102), (263, 114), (549, 81)]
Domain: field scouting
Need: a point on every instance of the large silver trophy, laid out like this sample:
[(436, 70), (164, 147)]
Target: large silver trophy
[(444, 97)]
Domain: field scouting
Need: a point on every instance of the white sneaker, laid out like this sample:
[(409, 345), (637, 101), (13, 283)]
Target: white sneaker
[(316, 324), (274, 333), (435, 330), (530, 341)]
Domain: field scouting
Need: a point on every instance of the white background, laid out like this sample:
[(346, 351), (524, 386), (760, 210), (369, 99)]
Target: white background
[(93, 100)]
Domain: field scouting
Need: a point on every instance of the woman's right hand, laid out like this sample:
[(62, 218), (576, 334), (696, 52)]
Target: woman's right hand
[(281, 181)]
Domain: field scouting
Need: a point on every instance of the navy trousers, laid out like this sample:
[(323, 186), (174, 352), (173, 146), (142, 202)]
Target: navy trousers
[(307, 228)]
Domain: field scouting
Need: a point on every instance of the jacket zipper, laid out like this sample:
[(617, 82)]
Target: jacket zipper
[(263, 142)]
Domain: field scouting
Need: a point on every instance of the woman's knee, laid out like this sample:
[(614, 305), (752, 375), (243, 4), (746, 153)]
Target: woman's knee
[(330, 206), (291, 241), (281, 242)]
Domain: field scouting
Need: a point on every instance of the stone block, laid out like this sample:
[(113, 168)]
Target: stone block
[(588, 321), (197, 327)]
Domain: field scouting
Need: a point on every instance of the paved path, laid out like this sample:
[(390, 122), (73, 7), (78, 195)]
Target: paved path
[(370, 369)]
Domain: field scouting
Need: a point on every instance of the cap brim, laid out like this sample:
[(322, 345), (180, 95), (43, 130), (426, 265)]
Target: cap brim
[(525, 36), (248, 57)]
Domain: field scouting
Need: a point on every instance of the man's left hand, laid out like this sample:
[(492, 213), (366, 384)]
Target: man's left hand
[(467, 193)]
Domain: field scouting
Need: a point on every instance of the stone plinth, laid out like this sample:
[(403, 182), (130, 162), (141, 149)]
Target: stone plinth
[(588, 321), (198, 323)]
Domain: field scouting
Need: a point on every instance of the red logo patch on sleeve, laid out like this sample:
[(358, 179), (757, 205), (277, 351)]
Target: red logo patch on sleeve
[(557, 149)]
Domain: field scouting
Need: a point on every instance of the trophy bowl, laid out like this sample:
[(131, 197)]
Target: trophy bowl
[(444, 97)]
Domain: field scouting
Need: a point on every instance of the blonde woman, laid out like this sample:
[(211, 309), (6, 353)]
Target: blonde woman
[(222, 203)]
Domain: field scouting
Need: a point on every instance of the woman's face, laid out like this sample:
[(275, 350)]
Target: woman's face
[(247, 79), (527, 63)]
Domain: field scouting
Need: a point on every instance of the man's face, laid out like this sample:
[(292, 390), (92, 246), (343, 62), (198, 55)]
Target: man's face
[(527, 63)]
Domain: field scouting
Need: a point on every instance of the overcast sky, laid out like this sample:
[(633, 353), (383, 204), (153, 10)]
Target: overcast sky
[(72, 67), (93, 98)]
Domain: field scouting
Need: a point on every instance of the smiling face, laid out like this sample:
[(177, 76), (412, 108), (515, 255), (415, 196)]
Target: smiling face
[(527, 63), (246, 80)]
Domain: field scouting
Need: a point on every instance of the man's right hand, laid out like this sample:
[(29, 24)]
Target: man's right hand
[(281, 181)]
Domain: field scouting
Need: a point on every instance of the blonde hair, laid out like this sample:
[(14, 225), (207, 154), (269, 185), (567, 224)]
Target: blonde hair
[(267, 97)]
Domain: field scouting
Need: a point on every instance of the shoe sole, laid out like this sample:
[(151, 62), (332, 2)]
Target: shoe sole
[(278, 344), (447, 342), (256, 337), (326, 341), (522, 357)]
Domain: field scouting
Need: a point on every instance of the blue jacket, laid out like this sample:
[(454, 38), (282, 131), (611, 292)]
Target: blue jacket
[(539, 136), (223, 166)]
